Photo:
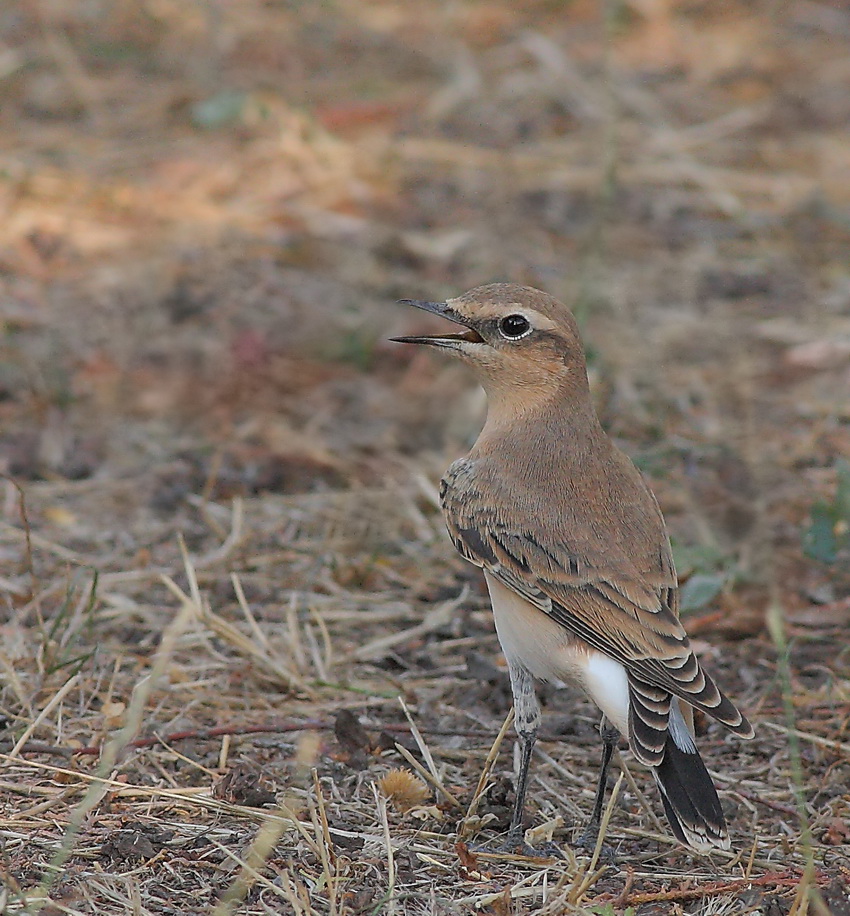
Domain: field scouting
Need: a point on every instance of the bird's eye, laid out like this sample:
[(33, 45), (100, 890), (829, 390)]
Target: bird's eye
[(514, 326)]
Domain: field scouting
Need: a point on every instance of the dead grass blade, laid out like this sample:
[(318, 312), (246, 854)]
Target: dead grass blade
[(472, 810), (427, 776), (434, 619), (230, 543), (590, 875), (257, 649), (381, 804), (261, 849), (434, 777), (55, 701), (319, 817)]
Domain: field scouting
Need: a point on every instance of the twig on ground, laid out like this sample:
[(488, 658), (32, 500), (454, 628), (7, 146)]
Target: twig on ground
[(381, 804), (485, 770)]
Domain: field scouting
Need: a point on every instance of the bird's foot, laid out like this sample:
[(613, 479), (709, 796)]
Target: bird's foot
[(586, 842), (515, 845)]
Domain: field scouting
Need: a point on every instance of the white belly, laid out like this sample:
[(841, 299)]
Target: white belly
[(530, 638)]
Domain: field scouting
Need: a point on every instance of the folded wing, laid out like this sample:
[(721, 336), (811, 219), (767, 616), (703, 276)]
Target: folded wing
[(616, 611)]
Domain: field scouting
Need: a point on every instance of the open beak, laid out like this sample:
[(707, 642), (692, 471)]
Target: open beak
[(441, 340)]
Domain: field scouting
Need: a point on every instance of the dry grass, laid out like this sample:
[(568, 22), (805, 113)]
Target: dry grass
[(230, 615), (215, 759)]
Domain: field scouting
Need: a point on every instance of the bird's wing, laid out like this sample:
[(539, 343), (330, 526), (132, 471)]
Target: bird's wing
[(617, 614)]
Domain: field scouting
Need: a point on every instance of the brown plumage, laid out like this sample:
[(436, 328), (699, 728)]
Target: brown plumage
[(574, 549)]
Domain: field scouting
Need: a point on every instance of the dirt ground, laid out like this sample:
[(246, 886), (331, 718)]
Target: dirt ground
[(229, 607)]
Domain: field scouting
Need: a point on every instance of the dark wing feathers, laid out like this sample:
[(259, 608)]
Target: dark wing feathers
[(649, 711), (472, 546)]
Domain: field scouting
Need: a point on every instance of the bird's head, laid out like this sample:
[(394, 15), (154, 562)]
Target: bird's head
[(518, 339)]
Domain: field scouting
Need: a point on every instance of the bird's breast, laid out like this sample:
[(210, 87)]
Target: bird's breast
[(531, 638)]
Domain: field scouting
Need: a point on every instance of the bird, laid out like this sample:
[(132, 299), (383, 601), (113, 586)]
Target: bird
[(576, 557)]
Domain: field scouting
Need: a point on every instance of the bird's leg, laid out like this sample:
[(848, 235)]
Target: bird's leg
[(526, 742), (526, 723), (590, 834)]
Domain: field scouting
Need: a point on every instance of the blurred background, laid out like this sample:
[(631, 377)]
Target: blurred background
[(208, 210)]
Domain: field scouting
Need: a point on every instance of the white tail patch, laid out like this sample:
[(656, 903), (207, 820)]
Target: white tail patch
[(679, 731), (607, 684)]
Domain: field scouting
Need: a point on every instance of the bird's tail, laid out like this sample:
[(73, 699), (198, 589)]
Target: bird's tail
[(690, 799)]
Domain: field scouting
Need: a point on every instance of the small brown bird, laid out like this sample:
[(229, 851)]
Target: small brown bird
[(575, 554)]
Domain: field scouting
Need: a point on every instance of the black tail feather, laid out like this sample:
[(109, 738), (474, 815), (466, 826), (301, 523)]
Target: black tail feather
[(690, 799)]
